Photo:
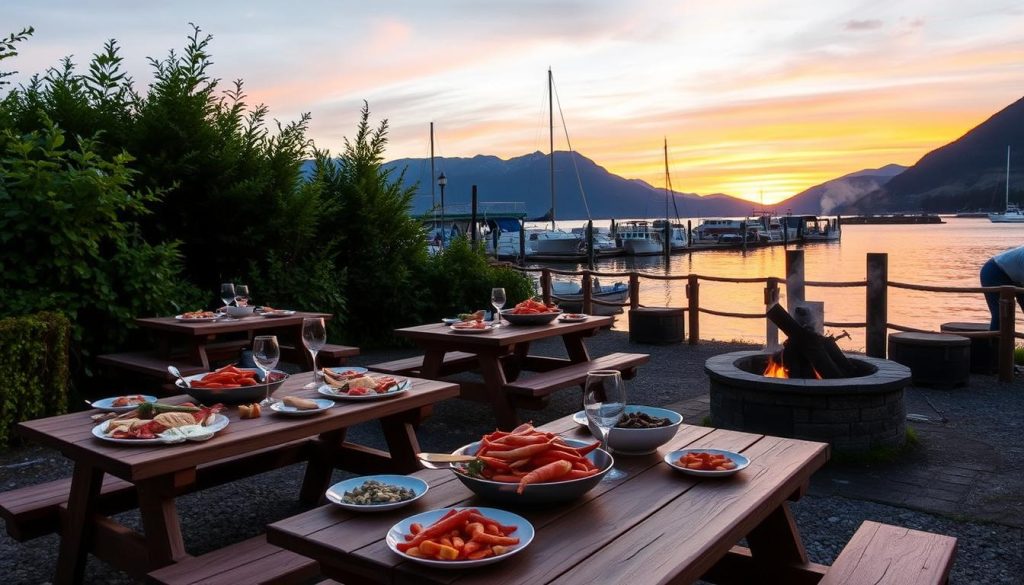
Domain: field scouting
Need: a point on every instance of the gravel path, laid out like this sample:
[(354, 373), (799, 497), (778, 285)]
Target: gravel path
[(981, 418)]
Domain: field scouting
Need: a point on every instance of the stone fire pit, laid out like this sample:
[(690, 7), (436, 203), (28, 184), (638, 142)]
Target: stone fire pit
[(852, 414)]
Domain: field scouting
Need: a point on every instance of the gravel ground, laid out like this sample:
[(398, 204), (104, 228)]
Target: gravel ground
[(986, 412)]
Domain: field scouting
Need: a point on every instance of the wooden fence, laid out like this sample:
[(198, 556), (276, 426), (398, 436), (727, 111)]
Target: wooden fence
[(876, 284)]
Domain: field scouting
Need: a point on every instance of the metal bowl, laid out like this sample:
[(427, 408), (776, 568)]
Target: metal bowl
[(240, 312), (642, 441), (530, 318), (243, 395), (537, 493)]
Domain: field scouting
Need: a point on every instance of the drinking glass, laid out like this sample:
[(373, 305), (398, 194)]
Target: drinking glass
[(314, 336), (497, 301), (242, 295), (227, 293), (604, 400), (265, 352)]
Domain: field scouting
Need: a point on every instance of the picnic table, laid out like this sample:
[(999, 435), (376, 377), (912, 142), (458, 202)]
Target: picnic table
[(244, 448), (501, 354), (654, 526)]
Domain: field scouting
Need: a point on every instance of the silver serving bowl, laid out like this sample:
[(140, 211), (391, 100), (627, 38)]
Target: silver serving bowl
[(641, 441), (241, 395), (537, 493), (530, 318)]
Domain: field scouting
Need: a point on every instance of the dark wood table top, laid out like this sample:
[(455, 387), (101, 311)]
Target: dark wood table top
[(654, 526), (502, 336), (72, 433), (225, 325)]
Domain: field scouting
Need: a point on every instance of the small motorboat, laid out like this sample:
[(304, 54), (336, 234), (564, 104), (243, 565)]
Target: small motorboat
[(570, 296)]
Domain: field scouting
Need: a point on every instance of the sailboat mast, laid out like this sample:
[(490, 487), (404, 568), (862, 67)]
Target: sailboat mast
[(1007, 176), (551, 141), (433, 201), (668, 194)]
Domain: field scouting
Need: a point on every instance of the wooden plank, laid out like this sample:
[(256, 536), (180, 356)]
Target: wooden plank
[(452, 363), (222, 326), (436, 335), (881, 554), (738, 567), (120, 546), (547, 382), (34, 511), (85, 486), (164, 541), (149, 363), (250, 561)]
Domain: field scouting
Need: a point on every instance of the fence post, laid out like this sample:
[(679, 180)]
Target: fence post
[(522, 242), (877, 310), (587, 284), (634, 291), (693, 307), (1007, 310), (545, 285), (771, 297), (794, 279)]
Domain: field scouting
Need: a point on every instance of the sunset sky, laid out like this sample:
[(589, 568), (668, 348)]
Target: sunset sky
[(753, 95)]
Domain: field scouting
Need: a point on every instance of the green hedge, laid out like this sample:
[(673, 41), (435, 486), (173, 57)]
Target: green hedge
[(34, 369)]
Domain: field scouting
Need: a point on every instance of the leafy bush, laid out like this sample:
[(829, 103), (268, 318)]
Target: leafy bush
[(34, 368), (459, 279)]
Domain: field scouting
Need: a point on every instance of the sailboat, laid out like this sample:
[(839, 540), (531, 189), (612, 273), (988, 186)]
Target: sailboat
[(553, 244), (1013, 214), (676, 232)]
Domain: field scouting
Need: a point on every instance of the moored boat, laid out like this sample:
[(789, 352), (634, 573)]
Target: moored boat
[(638, 238), (570, 296)]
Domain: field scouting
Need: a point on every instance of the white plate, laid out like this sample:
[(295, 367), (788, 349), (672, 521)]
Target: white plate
[(348, 370), (524, 531), (107, 404), (219, 422), (197, 319), (332, 392), (451, 320), (322, 404), (580, 418), (472, 331), (336, 491), (740, 461), (568, 318), (281, 313)]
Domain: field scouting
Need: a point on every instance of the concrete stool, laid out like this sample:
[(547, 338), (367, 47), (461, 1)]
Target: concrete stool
[(656, 325), (934, 359), (984, 352)]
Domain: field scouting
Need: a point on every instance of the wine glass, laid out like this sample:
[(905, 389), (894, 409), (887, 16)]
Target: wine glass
[(242, 295), (604, 400), (227, 294), (314, 336), (497, 301), (265, 352)]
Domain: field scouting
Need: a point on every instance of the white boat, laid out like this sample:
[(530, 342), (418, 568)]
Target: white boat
[(570, 296), (711, 230), (553, 244), (1013, 214), (639, 238), (604, 241), (676, 236)]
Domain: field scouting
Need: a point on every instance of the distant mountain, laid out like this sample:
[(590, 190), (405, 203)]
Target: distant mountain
[(968, 173), (823, 199), (527, 179)]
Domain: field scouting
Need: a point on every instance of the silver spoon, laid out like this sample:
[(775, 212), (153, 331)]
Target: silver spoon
[(442, 460), (175, 372)]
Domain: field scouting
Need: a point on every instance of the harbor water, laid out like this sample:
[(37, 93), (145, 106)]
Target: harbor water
[(949, 254)]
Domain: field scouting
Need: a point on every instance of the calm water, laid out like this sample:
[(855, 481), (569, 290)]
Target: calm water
[(949, 254)]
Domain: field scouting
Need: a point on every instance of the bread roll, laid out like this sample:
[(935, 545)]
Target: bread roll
[(175, 419), (300, 403)]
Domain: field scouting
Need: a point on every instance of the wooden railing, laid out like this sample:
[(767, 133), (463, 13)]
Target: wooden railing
[(876, 283)]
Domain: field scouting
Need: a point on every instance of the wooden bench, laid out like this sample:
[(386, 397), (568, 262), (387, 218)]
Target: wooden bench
[(546, 383), (336, 355), (148, 363), (880, 554), (454, 362), (35, 510), (251, 561)]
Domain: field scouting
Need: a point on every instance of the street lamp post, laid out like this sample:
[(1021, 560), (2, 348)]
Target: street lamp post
[(441, 182)]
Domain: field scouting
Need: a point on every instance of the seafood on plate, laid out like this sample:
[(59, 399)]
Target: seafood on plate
[(147, 423), (358, 384)]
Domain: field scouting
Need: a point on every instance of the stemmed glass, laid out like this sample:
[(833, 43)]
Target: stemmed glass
[(265, 352), (314, 336), (604, 400), (242, 295), (227, 294), (497, 301)]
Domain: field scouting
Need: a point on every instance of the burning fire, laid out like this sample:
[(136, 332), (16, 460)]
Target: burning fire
[(777, 369)]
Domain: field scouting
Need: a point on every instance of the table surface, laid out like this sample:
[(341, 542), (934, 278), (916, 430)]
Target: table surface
[(72, 433), (655, 526), (225, 325), (503, 336)]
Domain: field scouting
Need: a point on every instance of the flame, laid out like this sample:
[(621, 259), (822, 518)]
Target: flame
[(775, 368)]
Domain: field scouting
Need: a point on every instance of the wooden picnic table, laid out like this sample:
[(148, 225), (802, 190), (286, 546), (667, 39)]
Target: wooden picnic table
[(244, 447), (501, 355), (654, 526), (198, 336)]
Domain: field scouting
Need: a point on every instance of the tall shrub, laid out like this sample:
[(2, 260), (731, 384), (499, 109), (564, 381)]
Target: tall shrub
[(34, 368), (459, 279)]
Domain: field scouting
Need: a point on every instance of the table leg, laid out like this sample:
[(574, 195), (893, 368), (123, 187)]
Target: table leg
[(514, 365), (74, 542), (576, 349), (198, 350), (160, 521), (776, 540), (433, 361), (494, 382), (403, 445), (321, 466)]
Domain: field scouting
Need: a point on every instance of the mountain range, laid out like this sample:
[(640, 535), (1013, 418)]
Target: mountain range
[(968, 173)]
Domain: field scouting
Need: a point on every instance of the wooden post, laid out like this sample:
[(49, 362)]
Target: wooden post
[(743, 235), (472, 219), (522, 242), (590, 250), (693, 308), (877, 310), (771, 297), (667, 243), (794, 279), (689, 233), (1007, 312), (545, 285), (586, 284), (634, 290)]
